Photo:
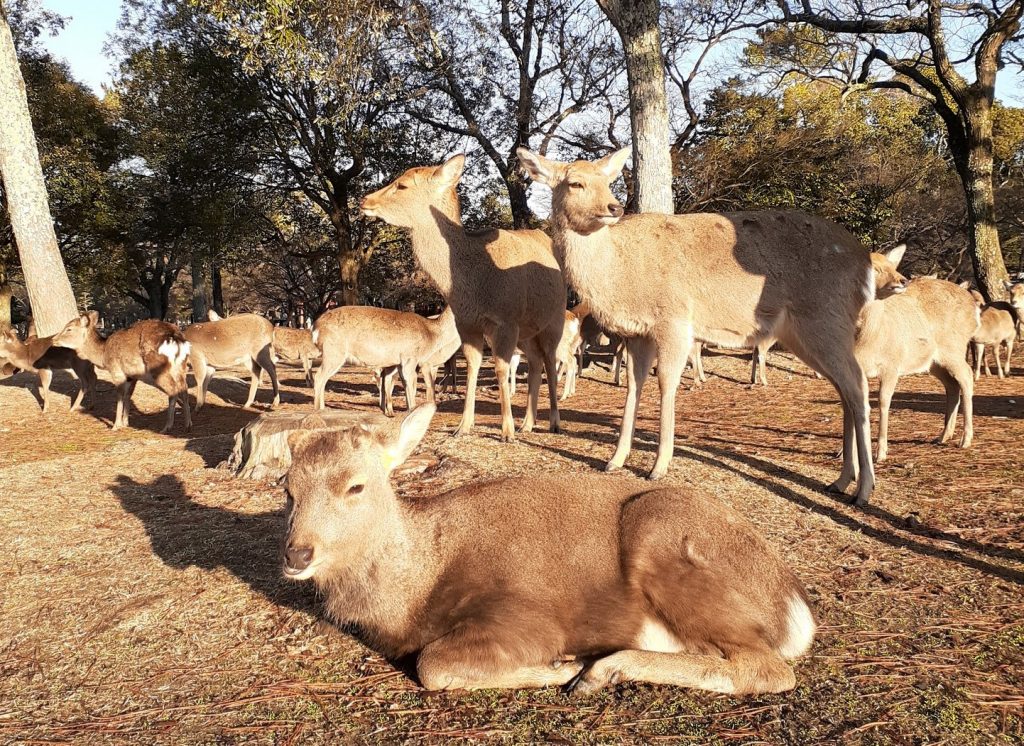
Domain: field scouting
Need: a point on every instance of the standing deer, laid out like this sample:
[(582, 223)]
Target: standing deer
[(662, 585), (1016, 291), (42, 357), (243, 340), (925, 329), (296, 345), (505, 287), (379, 338), (151, 351), (732, 279), (565, 357), (446, 344), (998, 327)]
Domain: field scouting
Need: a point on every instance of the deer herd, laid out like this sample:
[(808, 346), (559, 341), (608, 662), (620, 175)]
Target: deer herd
[(582, 581)]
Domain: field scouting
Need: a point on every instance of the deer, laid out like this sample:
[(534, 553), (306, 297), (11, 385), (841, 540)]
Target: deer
[(925, 328), (998, 327), (505, 286), (151, 351), (245, 339), (446, 344), (732, 279), (40, 356), (379, 338), (296, 345), (1015, 288), (565, 357), (658, 584)]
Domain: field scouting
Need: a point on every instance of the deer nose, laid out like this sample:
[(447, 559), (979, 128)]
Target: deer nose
[(615, 210), (298, 558)]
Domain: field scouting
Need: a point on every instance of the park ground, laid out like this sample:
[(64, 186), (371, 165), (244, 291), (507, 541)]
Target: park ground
[(141, 598)]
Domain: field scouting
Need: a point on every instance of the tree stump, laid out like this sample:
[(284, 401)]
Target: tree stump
[(261, 447)]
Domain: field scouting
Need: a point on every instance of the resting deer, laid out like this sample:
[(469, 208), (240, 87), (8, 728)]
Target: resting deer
[(924, 329), (40, 356), (378, 338), (732, 279), (446, 344), (539, 581), (296, 345), (151, 351), (243, 340), (505, 287)]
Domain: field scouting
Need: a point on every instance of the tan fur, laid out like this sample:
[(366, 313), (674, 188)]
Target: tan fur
[(565, 357), (505, 287), (925, 329), (296, 345), (151, 351), (41, 357), (244, 340), (446, 343), (379, 338), (998, 329), (536, 581), (734, 279)]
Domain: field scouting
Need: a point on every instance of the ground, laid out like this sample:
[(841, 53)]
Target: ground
[(141, 597)]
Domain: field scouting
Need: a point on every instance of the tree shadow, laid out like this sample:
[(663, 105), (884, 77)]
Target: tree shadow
[(63, 385)]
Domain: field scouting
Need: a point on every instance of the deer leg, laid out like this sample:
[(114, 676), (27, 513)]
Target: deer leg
[(88, 377), (265, 359), (171, 399), (886, 387), (386, 388), (429, 381), (1009, 353), (256, 373), (534, 373), (513, 371), (198, 363), (408, 373), (996, 349), (503, 347), (473, 349), (962, 373), (671, 361), (307, 373), (952, 388), (328, 367), (470, 659), (746, 672), (641, 352), (45, 379)]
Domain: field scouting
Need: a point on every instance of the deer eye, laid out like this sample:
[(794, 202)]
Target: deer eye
[(355, 489), (575, 185), (401, 186)]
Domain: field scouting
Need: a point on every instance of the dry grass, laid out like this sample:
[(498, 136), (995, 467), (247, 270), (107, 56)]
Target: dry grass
[(140, 597)]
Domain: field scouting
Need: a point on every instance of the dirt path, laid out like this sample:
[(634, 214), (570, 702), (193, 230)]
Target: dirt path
[(141, 597)]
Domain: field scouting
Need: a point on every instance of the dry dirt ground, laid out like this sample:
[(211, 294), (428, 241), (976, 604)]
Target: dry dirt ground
[(141, 598)]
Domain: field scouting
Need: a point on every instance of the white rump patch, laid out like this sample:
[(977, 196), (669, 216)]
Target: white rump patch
[(174, 351), (656, 638), (800, 628)]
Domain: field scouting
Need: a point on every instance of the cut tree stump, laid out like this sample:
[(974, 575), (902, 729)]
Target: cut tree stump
[(261, 447)]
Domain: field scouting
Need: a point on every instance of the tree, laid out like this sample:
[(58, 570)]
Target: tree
[(49, 289), (913, 42), (637, 24)]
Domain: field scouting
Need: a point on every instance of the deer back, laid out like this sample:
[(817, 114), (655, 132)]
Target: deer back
[(232, 341)]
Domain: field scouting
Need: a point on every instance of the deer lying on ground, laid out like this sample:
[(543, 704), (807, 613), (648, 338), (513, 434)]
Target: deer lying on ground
[(734, 279), (480, 584), (378, 338), (446, 344), (151, 351), (924, 329), (505, 287), (40, 356), (243, 340), (296, 345)]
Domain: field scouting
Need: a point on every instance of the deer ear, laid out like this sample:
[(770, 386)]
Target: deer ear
[(896, 255), (1008, 284), (449, 172), (212, 315), (94, 317), (539, 168), (966, 284), (296, 438), (400, 440), (611, 165)]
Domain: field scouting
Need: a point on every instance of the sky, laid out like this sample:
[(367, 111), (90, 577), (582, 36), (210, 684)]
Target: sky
[(83, 38)]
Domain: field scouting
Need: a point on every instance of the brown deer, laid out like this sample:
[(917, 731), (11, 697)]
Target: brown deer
[(565, 357), (40, 356), (447, 343), (151, 351), (296, 345), (731, 279), (998, 327), (243, 340), (505, 287), (925, 329), (378, 338), (662, 585)]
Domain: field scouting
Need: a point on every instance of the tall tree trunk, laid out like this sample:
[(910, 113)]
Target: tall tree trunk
[(637, 24), (522, 217), (349, 260), (218, 291), (6, 295), (46, 279), (975, 170), (200, 298)]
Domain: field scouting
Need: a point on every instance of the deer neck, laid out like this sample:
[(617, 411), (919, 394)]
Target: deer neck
[(382, 590), (439, 242), (590, 260), (94, 349)]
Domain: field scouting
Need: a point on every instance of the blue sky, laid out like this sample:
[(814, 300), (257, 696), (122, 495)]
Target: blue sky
[(82, 41)]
